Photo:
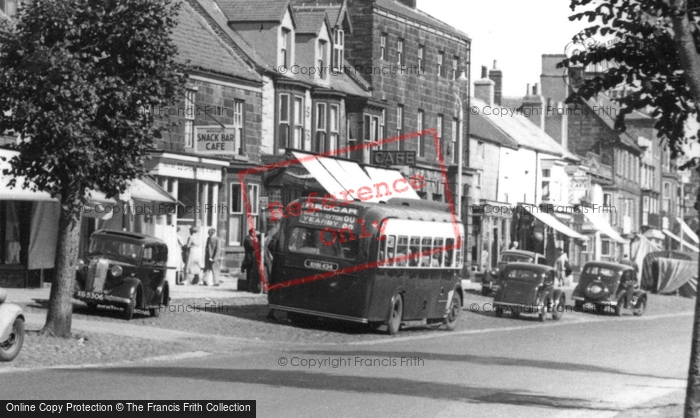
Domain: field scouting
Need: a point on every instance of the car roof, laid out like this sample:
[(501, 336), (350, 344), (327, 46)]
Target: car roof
[(540, 268), (607, 264), (130, 236)]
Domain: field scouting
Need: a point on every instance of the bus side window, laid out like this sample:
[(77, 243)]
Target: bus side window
[(402, 251), (439, 252), (415, 252), (387, 254), (449, 243), (426, 251), (458, 254)]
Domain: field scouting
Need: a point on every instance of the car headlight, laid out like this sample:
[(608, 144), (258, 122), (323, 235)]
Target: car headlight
[(116, 271)]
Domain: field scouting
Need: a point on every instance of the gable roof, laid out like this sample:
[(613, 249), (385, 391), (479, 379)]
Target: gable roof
[(337, 11), (419, 16), (255, 10), (310, 23), (200, 47)]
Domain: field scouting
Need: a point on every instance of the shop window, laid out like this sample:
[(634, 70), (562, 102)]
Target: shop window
[(605, 248), (238, 123), (238, 216)]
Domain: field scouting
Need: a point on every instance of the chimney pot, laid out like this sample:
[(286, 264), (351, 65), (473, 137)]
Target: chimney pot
[(527, 91), (494, 65), (534, 89), (484, 71)]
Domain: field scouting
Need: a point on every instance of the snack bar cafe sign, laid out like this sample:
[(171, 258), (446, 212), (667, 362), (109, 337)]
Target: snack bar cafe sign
[(215, 140)]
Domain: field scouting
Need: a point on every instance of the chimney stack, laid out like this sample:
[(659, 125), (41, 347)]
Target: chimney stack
[(534, 106), (497, 76), (484, 88)]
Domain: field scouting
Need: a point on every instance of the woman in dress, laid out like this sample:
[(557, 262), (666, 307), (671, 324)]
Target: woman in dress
[(193, 268)]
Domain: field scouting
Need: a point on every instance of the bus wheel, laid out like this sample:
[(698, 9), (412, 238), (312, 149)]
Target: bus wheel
[(453, 312), (396, 315)]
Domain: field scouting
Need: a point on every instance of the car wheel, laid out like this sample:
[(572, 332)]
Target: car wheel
[(162, 302), (453, 312), (620, 305), (396, 315), (9, 349), (485, 291), (498, 310), (641, 307), (558, 311), (129, 308)]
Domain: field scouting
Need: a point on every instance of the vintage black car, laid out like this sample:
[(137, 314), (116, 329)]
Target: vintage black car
[(125, 270), (609, 286), (490, 279), (529, 288)]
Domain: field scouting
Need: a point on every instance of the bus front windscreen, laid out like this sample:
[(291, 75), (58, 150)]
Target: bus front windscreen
[(323, 242)]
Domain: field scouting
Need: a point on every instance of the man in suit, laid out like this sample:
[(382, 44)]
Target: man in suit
[(212, 258)]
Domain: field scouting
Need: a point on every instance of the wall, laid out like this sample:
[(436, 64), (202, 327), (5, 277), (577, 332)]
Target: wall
[(486, 157), (516, 179), (263, 37)]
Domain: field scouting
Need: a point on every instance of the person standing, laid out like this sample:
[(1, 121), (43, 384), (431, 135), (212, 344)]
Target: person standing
[(562, 266), (212, 258), (249, 264), (182, 243), (514, 245), (193, 268)]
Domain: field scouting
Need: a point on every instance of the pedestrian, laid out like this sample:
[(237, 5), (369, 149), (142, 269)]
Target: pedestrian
[(514, 245), (249, 265), (485, 257), (193, 267), (562, 267), (182, 243), (212, 258)]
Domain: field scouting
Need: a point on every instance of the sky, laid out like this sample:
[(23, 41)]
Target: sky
[(513, 32)]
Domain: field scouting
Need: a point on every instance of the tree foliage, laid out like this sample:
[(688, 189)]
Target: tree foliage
[(646, 58), (75, 75)]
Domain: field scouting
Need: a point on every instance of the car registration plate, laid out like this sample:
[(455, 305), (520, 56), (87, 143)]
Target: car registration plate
[(90, 295)]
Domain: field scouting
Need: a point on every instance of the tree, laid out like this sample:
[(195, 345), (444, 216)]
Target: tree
[(656, 56), (75, 76)]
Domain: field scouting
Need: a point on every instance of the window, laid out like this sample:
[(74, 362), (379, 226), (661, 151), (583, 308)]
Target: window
[(421, 138), (238, 119), (323, 242), (10, 7), (399, 52), (440, 120), (455, 137), (189, 117), (441, 64), (333, 124), (399, 125), (238, 216), (382, 46), (320, 142), (321, 58), (605, 248), (455, 64), (338, 50), (381, 134), (546, 172), (285, 48), (421, 52), (666, 202), (298, 123), (284, 121)]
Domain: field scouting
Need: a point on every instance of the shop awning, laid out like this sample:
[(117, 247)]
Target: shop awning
[(147, 190), (604, 227), (682, 242), (688, 231), (344, 176), (551, 221), (17, 192)]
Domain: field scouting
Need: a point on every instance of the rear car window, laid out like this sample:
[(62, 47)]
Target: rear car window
[(515, 258), (600, 271), (525, 275)]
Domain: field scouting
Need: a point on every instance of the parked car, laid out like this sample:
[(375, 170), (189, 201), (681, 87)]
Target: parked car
[(490, 280), (11, 328), (529, 288), (609, 285), (125, 270)]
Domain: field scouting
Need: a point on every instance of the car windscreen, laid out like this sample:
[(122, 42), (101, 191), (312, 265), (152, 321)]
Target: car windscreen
[(523, 275), (516, 258), (331, 243), (114, 249)]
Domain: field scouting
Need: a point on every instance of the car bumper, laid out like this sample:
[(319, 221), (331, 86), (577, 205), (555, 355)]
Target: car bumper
[(596, 302)]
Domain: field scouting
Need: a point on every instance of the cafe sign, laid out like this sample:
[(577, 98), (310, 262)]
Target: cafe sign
[(215, 140), (387, 158)]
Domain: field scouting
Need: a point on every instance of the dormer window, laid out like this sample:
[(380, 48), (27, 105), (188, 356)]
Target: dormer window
[(286, 48), (338, 49)]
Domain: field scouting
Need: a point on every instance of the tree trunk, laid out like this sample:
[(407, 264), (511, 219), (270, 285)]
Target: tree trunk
[(692, 395), (58, 318)]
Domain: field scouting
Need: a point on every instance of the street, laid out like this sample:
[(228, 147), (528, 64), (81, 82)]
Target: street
[(586, 364)]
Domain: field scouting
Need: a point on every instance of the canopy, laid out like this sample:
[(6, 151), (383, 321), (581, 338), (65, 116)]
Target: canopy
[(147, 190), (554, 223), (17, 192), (670, 272), (641, 246), (688, 231), (604, 227), (682, 242), (347, 177)]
